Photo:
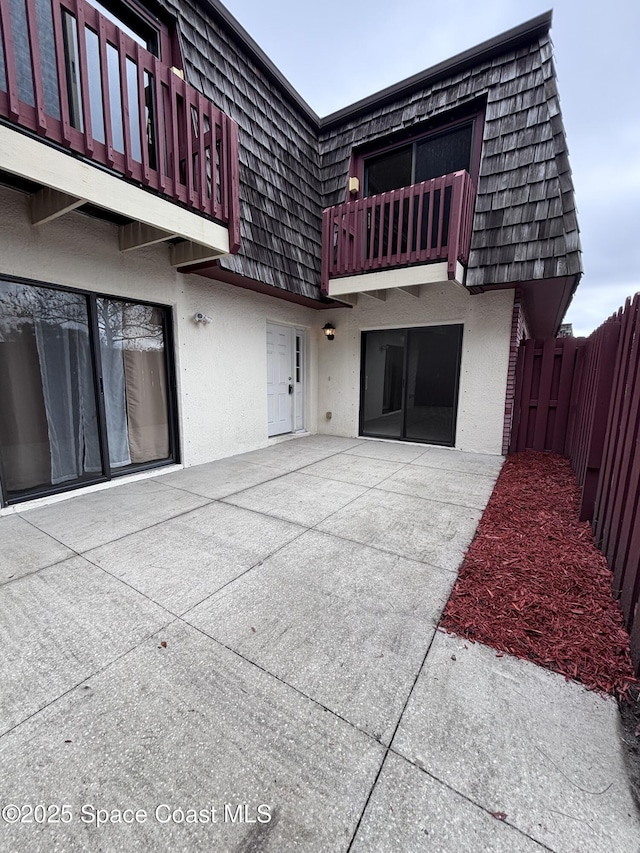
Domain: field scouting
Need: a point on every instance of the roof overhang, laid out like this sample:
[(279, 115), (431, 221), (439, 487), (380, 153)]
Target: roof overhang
[(545, 302)]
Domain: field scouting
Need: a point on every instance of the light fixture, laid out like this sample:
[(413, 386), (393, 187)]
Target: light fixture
[(330, 331), (199, 317)]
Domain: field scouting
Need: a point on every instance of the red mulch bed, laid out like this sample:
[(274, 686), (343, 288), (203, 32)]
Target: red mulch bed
[(534, 585)]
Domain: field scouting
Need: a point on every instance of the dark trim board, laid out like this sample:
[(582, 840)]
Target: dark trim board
[(216, 273)]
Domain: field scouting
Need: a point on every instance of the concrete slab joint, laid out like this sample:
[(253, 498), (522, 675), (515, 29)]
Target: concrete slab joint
[(261, 632)]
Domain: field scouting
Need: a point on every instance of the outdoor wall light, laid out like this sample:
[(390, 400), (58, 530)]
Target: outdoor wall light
[(199, 317), (330, 331)]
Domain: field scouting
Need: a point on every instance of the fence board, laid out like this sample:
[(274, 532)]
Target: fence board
[(567, 369), (605, 500), (595, 422), (544, 395), (624, 424)]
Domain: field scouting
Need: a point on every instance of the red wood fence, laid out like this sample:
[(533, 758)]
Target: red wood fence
[(430, 221), (581, 397), (72, 76)]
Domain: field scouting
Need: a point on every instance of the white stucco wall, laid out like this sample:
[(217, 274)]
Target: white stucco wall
[(483, 372), (220, 367)]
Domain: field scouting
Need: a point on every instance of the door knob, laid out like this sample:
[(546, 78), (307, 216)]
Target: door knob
[(290, 388)]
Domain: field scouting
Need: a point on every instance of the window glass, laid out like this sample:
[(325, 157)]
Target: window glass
[(388, 171), (443, 154), (82, 399), (48, 418), (17, 11), (410, 383), (435, 155), (134, 379), (130, 23)]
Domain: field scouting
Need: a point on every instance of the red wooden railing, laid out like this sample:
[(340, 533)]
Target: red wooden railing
[(426, 222), (581, 397), (116, 104)]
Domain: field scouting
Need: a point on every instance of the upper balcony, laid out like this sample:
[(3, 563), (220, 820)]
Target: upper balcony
[(402, 238), (167, 157)]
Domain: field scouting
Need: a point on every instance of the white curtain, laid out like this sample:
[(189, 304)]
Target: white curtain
[(69, 399), (113, 379)]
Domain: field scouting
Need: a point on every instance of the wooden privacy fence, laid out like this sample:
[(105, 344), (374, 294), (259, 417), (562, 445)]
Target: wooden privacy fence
[(581, 398)]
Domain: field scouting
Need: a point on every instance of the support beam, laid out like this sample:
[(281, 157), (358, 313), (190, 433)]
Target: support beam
[(376, 294), (350, 298), (29, 158), (136, 235), (188, 252), (48, 204), (413, 290)]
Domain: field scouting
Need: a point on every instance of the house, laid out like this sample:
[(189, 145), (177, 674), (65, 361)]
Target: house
[(192, 261)]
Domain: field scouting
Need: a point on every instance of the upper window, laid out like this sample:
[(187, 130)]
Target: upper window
[(134, 25), (437, 154), (140, 25)]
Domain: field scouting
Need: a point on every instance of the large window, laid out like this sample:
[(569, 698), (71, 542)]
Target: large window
[(440, 153), (85, 384), (410, 383)]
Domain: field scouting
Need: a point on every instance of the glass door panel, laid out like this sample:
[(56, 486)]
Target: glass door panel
[(433, 367), (134, 380), (443, 153), (388, 171), (48, 419), (383, 383), (410, 383), (84, 389)]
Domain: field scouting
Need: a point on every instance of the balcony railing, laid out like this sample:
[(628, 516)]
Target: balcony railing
[(426, 222), (73, 77)]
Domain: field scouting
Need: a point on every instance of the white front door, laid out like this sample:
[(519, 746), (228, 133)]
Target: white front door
[(280, 378)]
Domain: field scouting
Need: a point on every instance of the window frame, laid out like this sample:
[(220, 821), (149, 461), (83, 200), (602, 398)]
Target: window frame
[(108, 473), (168, 46), (414, 136), (407, 331)]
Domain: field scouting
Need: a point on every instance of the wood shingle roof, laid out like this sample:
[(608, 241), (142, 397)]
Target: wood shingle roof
[(293, 164)]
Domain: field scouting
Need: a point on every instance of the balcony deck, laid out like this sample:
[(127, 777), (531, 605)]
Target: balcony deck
[(429, 223), (71, 78)]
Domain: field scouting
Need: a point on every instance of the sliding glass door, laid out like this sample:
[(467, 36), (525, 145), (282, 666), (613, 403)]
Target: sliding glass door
[(134, 381), (410, 383), (84, 385)]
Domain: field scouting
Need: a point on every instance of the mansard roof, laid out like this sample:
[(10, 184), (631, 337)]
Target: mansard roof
[(293, 163)]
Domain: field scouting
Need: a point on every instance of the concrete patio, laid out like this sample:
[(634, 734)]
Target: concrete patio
[(243, 656)]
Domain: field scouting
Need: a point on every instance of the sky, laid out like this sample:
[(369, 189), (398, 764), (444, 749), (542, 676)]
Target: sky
[(338, 51)]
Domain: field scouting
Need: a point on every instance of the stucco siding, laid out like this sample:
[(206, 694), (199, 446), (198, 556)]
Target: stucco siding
[(220, 367), (486, 320)]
